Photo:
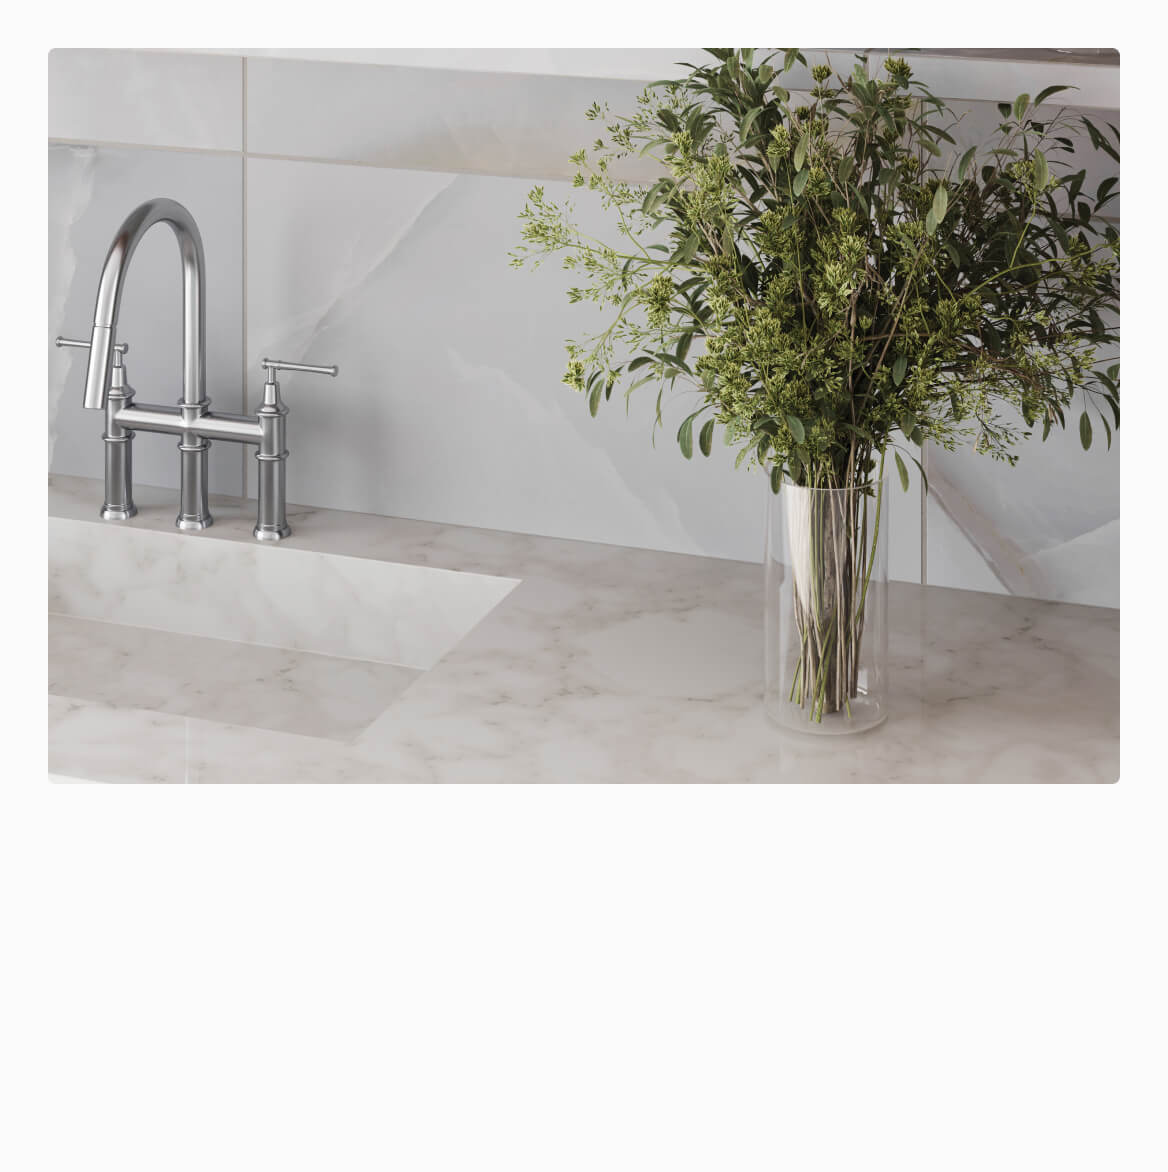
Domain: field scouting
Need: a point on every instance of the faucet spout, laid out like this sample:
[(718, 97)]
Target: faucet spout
[(109, 296)]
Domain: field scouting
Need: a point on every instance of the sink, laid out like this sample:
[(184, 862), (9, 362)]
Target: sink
[(218, 629)]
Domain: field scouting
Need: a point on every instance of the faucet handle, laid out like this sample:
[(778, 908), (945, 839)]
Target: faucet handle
[(271, 365), (84, 344)]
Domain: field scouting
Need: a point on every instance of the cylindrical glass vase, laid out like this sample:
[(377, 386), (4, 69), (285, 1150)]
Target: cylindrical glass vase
[(826, 623)]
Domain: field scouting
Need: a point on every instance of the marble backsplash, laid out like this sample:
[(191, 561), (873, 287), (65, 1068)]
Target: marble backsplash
[(383, 248)]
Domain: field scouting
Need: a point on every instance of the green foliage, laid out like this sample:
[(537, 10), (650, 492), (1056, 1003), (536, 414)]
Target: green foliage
[(827, 282)]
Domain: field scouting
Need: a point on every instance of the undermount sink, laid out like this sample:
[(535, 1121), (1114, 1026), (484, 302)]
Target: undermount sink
[(278, 638)]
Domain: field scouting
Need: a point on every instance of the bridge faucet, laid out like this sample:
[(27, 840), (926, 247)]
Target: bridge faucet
[(194, 512), (192, 420)]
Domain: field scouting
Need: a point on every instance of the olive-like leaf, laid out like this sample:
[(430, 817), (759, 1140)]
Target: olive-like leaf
[(748, 122), (902, 471), (1052, 89), (898, 369), (1085, 430), (1041, 169), (685, 437), (687, 248), (706, 437), (1020, 104), (940, 203), (796, 426), (802, 149)]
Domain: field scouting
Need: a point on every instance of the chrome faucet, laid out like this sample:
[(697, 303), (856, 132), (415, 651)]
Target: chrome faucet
[(192, 420)]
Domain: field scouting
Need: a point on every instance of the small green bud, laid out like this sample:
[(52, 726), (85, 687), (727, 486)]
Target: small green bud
[(898, 69)]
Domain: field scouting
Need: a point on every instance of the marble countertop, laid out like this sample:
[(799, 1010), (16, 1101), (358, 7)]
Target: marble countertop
[(601, 664)]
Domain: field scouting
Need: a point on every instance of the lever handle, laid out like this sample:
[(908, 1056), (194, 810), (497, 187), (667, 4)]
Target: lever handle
[(119, 349), (84, 344), (271, 365)]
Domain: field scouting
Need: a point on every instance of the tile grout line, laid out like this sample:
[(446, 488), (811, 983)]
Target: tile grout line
[(243, 454), (142, 146)]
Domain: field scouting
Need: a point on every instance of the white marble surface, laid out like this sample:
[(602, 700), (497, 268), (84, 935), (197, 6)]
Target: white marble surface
[(405, 283), (429, 119), (216, 679), (619, 665), (149, 99), (299, 599)]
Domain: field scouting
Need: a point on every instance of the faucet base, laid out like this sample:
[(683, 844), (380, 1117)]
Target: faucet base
[(182, 522), (271, 533), (112, 513)]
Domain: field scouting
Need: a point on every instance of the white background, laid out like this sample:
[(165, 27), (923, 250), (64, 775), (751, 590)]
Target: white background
[(605, 979)]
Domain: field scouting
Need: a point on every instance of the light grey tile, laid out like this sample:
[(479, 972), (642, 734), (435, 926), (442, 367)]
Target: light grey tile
[(148, 98), (904, 522), (449, 404), (953, 558), (1045, 528), (428, 119), (91, 190)]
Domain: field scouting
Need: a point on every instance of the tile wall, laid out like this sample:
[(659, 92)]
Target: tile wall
[(361, 214)]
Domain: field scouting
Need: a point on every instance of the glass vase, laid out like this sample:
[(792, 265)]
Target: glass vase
[(826, 622)]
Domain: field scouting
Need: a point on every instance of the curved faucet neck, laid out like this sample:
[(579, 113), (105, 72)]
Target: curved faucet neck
[(109, 296)]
